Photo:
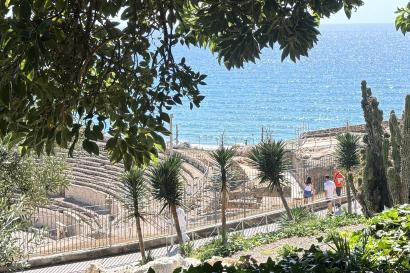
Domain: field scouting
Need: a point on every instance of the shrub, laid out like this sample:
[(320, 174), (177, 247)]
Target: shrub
[(382, 247), (287, 250), (299, 214), (186, 249), (386, 240), (306, 225)]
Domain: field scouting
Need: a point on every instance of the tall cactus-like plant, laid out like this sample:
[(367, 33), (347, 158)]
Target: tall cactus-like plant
[(394, 168), (375, 187), (386, 151), (405, 151)]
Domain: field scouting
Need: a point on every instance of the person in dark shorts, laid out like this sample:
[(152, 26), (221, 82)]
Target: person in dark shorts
[(308, 190), (339, 180)]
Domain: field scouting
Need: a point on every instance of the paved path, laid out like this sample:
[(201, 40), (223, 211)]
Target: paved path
[(117, 262)]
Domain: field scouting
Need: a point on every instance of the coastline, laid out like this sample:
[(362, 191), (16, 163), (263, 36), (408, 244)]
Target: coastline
[(318, 136)]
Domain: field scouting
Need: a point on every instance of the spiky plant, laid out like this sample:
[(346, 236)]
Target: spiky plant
[(394, 167), (270, 159), (405, 151), (375, 188), (224, 158), (167, 187), (347, 154), (136, 192)]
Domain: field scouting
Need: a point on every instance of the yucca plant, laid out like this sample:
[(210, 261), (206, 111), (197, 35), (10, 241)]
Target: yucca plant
[(347, 154), (270, 159), (136, 192), (167, 187), (224, 158)]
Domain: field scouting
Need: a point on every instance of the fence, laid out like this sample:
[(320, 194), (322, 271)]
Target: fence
[(70, 225)]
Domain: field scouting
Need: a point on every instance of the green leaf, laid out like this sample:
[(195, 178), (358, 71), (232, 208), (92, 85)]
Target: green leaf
[(25, 10), (90, 147), (5, 94)]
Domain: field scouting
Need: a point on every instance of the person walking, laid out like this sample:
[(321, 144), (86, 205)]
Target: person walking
[(308, 190), (330, 189), (183, 223), (339, 180)]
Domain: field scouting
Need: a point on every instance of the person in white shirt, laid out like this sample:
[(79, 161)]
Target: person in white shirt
[(182, 219), (308, 190), (330, 189)]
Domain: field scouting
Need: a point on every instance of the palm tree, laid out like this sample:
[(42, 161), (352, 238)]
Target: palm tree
[(347, 153), (269, 158), (134, 198), (224, 158), (167, 187)]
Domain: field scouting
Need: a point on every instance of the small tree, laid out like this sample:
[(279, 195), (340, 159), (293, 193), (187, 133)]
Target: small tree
[(135, 197), (35, 179), (12, 218), (25, 184), (270, 160), (224, 158), (168, 187), (347, 153)]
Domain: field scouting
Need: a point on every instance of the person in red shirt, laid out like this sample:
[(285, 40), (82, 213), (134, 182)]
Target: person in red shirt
[(339, 180)]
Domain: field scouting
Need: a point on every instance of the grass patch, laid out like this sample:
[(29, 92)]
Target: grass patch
[(287, 250), (304, 224), (267, 252)]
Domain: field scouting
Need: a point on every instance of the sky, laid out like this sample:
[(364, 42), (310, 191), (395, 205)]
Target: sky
[(373, 11)]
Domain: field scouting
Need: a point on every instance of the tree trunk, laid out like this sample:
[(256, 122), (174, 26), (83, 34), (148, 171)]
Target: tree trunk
[(223, 216), (284, 202), (349, 181), (177, 227), (360, 199), (140, 238)]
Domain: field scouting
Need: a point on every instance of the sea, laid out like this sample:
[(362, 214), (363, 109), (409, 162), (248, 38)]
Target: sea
[(286, 98)]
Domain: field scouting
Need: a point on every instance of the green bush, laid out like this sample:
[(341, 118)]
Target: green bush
[(386, 240), (299, 214), (287, 250), (186, 249), (306, 225), (382, 247)]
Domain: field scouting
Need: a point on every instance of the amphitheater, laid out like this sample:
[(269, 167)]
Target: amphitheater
[(90, 212)]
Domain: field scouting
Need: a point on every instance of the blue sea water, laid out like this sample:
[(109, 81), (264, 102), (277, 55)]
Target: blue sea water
[(320, 91)]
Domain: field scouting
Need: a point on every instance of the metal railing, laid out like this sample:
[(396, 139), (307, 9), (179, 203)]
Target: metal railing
[(68, 226)]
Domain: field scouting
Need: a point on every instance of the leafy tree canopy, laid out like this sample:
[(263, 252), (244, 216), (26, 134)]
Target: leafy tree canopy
[(403, 19), (108, 66)]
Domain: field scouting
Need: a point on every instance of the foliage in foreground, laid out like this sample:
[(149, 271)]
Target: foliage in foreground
[(303, 224), (110, 65), (387, 240), (25, 184), (12, 218), (382, 247)]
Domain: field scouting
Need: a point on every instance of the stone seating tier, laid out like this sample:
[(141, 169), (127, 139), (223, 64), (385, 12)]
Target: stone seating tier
[(97, 173), (89, 217), (104, 190), (108, 170), (100, 181)]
